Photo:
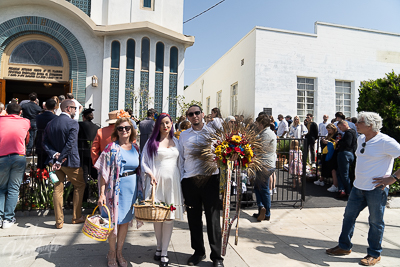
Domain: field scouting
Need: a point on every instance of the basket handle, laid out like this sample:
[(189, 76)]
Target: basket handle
[(153, 193), (109, 216)]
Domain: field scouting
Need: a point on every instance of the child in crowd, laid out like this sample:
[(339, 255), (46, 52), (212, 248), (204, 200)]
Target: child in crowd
[(184, 126), (295, 162)]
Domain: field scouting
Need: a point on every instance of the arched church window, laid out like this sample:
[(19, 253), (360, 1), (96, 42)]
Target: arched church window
[(159, 57), (145, 53), (173, 61), (130, 54), (36, 52), (115, 50)]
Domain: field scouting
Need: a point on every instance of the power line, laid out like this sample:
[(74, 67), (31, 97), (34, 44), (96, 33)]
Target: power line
[(204, 11)]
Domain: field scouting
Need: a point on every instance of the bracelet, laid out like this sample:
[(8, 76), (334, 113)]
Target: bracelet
[(395, 177)]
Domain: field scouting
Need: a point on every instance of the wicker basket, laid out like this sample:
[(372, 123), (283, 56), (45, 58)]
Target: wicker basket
[(281, 160), (97, 232), (151, 212)]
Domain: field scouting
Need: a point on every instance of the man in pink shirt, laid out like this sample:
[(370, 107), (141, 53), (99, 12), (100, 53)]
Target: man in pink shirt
[(13, 134)]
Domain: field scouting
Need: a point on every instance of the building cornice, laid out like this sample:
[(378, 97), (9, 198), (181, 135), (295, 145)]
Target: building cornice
[(352, 28), (103, 30)]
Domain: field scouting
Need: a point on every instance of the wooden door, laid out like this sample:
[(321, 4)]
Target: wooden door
[(68, 87), (3, 91)]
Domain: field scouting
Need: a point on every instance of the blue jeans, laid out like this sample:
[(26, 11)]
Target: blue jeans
[(344, 160), (375, 200), (12, 169), (263, 197)]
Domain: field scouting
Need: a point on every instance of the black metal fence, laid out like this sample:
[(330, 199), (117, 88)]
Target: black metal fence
[(288, 183)]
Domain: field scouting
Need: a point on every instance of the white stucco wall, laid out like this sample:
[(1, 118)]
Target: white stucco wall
[(168, 14), (97, 50), (333, 53), (223, 74)]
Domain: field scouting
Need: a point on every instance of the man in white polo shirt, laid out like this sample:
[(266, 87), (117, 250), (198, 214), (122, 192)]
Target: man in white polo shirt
[(375, 156)]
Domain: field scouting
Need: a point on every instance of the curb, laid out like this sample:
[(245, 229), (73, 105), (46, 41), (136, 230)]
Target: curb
[(48, 212)]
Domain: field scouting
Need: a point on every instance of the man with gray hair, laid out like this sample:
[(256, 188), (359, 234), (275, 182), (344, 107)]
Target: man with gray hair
[(375, 156)]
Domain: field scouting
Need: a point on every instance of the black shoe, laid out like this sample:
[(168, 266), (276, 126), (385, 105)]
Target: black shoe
[(164, 263), (157, 257), (267, 218), (218, 263), (195, 259), (255, 215)]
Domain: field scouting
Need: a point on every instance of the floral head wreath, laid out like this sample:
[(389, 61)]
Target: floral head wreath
[(122, 114), (156, 115)]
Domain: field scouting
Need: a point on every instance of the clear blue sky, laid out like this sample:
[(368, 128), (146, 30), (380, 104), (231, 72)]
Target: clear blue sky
[(223, 26)]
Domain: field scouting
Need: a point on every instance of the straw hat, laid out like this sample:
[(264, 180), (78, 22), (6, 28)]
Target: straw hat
[(112, 117)]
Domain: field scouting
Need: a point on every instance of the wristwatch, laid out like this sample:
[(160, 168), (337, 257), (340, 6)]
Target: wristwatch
[(395, 177)]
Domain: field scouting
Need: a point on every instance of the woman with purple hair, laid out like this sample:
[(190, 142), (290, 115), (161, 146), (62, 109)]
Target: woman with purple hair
[(160, 169)]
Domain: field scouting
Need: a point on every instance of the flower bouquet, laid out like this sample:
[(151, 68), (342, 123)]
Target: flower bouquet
[(233, 149)]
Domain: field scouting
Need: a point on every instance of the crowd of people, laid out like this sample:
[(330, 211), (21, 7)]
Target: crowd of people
[(163, 164)]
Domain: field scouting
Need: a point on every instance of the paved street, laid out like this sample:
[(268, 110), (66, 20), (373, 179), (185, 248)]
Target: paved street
[(293, 237)]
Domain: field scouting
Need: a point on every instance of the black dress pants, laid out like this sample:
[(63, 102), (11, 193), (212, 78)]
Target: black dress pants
[(196, 197)]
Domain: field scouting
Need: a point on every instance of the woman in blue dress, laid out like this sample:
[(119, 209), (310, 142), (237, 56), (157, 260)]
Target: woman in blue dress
[(119, 185)]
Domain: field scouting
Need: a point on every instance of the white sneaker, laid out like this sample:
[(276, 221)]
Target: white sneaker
[(8, 223), (319, 182), (313, 165), (270, 192), (333, 189), (274, 190), (1, 223)]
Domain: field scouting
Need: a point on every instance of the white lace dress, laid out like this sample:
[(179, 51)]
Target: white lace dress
[(165, 168)]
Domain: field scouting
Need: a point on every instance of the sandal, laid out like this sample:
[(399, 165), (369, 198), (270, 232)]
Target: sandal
[(157, 257), (165, 262), (111, 257), (121, 261)]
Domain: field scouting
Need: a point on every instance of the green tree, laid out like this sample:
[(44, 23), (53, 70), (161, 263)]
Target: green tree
[(383, 97)]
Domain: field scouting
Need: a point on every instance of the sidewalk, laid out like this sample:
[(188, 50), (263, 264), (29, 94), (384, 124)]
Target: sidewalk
[(293, 237)]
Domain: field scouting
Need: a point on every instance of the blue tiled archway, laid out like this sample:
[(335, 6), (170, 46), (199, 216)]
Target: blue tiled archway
[(17, 27)]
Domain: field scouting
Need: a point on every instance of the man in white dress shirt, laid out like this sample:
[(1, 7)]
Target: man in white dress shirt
[(283, 127), (322, 131), (196, 196)]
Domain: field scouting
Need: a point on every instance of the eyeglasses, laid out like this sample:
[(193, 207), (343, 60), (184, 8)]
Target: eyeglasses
[(72, 107), (191, 114), (121, 128), (362, 150)]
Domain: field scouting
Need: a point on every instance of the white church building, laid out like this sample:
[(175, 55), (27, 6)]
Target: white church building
[(295, 73), (114, 54)]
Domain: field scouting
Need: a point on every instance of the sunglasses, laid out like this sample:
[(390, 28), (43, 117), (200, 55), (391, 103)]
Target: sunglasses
[(362, 150), (72, 107), (121, 128), (191, 114)]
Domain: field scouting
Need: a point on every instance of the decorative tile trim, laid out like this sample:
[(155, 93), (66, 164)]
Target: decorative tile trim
[(129, 89), (144, 93), (114, 86), (158, 91), (173, 85), (84, 5), (20, 26)]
